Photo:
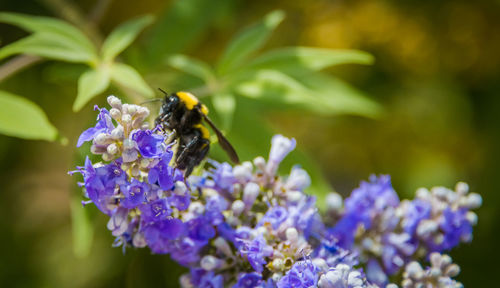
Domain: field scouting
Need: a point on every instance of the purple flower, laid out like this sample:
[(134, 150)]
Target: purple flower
[(366, 202), (302, 275), (255, 251), (248, 280), (100, 184), (186, 250), (416, 211), (222, 177), (155, 211), (274, 217), (104, 125), (201, 229), (344, 230), (213, 209), (456, 228), (159, 234), (150, 145), (371, 198), (135, 193), (163, 173), (375, 273), (305, 217), (203, 279), (118, 223)]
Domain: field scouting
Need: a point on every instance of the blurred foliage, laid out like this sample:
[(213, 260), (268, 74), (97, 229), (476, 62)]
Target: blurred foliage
[(436, 76)]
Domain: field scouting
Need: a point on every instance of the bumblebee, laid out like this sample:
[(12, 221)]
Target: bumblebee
[(184, 114)]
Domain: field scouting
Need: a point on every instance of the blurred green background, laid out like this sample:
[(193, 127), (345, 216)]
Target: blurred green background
[(435, 78)]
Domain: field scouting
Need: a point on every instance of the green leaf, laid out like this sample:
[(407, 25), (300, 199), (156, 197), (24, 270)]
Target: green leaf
[(67, 33), (224, 105), (48, 46), (316, 93), (272, 85), (123, 36), (83, 233), (90, 84), (192, 66), (297, 60), (248, 41), (182, 23), (22, 118), (129, 77), (335, 96)]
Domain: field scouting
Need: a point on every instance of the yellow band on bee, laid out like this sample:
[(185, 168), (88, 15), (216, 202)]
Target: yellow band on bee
[(188, 99), (204, 109), (204, 131)]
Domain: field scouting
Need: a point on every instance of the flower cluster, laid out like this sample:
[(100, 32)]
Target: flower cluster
[(246, 226), (388, 234)]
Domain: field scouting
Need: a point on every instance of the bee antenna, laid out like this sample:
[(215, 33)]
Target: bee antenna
[(151, 100), (163, 91)]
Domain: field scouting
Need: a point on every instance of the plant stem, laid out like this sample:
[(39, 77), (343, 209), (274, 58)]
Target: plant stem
[(17, 64)]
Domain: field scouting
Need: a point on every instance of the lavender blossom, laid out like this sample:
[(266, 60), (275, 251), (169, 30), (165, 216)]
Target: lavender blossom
[(248, 226)]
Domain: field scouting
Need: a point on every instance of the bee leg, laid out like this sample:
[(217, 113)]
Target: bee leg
[(189, 148), (193, 162)]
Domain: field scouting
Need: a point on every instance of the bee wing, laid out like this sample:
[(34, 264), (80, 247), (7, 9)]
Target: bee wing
[(224, 143)]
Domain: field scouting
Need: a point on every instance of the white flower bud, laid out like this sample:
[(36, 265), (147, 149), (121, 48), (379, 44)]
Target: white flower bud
[(131, 109), (242, 173), (445, 261), (298, 179), (106, 157), (435, 259), (294, 196), (114, 102), (101, 139), (452, 270), (180, 188), (292, 235), (117, 133), (426, 227), (115, 113), (126, 118), (142, 112), (222, 246), (112, 149), (434, 272), (472, 218), (474, 201), (135, 171), (354, 279), (250, 193), (128, 144), (334, 202), (262, 231), (422, 193), (462, 188), (196, 208), (320, 263), (276, 277), (277, 264), (414, 270), (237, 207), (260, 162), (209, 262), (144, 163), (185, 281)]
